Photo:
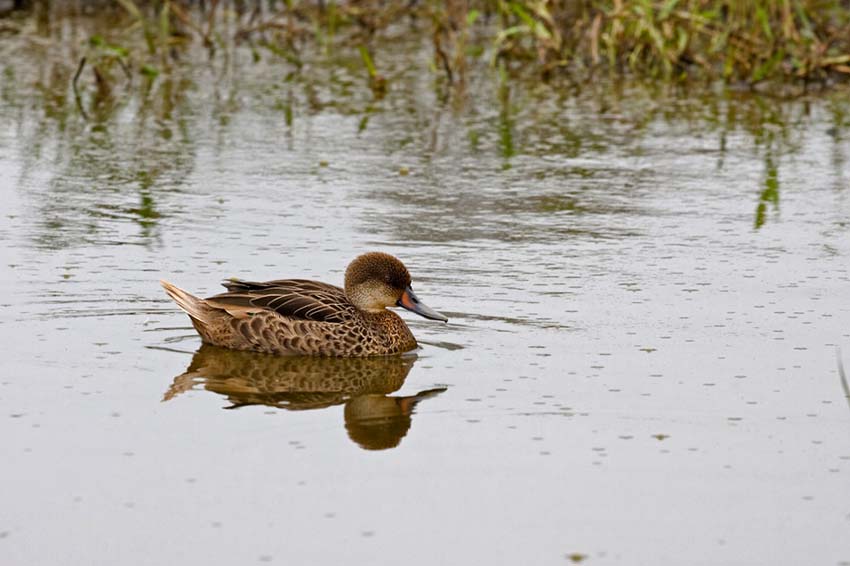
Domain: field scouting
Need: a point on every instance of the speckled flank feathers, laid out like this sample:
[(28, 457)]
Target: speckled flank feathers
[(296, 316)]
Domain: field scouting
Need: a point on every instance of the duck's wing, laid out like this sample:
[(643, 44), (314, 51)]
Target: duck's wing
[(293, 298)]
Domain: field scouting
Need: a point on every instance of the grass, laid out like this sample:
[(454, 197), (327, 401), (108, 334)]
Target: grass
[(754, 43), (749, 41)]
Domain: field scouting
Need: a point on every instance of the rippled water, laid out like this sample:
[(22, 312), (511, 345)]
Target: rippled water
[(647, 292)]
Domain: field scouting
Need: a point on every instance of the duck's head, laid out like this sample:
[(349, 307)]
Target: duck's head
[(375, 281)]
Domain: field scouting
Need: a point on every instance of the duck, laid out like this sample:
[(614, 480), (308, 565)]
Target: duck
[(303, 317)]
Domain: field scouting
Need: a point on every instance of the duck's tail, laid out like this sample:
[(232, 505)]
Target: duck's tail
[(190, 304)]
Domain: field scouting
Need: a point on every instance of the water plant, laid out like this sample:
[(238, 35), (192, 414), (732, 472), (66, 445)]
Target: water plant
[(750, 42)]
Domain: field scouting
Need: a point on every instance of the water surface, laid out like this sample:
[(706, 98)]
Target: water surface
[(647, 288)]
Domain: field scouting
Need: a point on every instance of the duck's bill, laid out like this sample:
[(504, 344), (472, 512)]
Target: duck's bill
[(411, 302)]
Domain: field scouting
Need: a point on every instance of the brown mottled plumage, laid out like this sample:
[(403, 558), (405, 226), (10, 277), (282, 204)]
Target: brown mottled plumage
[(296, 316)]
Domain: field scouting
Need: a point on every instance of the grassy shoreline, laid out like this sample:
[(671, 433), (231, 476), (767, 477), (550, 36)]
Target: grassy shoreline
[(778, 46)]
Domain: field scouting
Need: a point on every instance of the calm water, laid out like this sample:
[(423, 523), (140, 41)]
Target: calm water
[(647, 292)]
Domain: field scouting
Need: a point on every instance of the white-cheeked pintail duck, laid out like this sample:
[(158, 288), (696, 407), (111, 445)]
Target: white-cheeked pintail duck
[(301, 317)]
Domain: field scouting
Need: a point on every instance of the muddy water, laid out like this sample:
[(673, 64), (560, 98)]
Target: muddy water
[(647, 290)]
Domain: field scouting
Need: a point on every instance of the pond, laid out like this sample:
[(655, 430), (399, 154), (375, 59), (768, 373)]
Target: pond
[(648, 290)]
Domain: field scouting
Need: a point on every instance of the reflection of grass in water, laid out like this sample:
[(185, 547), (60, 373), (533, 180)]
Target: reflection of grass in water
[(770, 194), (505, 113), (146, 213), (506, 121), (93, 165), (842, 376)]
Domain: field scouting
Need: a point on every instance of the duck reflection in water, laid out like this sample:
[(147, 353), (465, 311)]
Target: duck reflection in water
[(373, 419)]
